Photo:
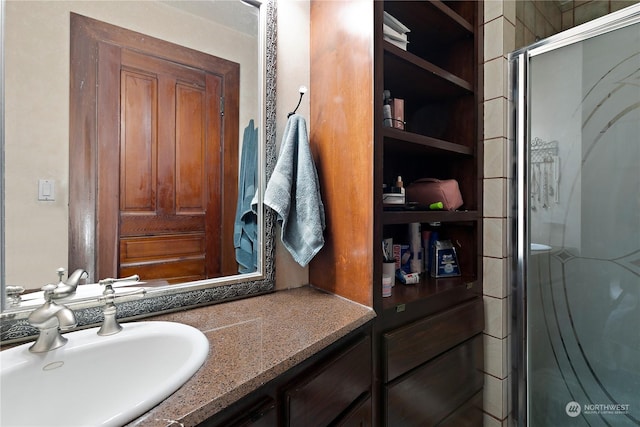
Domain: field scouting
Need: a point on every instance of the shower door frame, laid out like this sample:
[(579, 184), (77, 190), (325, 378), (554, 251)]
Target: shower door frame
[(519, 202)]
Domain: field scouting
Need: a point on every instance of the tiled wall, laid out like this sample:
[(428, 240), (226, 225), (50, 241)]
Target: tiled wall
[(509, 25), (499, 39), (536, 19)]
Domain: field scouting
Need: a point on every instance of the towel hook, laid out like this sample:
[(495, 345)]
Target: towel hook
[(302, 90)]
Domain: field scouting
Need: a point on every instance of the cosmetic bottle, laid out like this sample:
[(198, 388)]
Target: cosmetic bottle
[(387, 118), (400, 185)]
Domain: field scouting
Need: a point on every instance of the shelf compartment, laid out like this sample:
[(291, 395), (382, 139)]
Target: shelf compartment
[(406, 217), (426, 289), (412, 142), (434, 100), (430, 82), (439, 34), (434, 21)]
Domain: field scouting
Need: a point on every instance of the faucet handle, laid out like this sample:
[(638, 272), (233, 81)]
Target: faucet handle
[(48, 291), (110, 324), (110, 281), (14, 293)]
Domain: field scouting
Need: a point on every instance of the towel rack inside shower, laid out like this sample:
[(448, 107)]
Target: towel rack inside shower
[(543, 151), (545, 173)]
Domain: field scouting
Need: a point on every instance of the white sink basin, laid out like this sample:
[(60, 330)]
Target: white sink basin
[(99, 380)]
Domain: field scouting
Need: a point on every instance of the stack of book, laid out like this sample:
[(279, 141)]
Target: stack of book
[(395, 32)]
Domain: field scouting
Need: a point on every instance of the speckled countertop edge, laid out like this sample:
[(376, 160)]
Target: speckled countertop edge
[(252, 341)]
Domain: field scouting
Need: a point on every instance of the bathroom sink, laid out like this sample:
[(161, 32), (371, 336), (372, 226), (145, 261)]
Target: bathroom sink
[(99, 380)]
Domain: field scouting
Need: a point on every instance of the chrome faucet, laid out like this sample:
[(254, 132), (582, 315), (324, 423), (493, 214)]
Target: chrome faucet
[(110, 325), (50, 319), (68, 287)]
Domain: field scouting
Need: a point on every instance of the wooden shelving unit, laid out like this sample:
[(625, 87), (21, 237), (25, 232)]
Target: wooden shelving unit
[(439, 78)]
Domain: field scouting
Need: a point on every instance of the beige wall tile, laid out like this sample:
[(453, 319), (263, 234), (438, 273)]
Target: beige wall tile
[(495, 72), (492, 9), (494, 237), (496, 356), (529, 17), (496, 317), (539, 27), (509, 10), (621, 4), (509, 36), (567, 19), (495, 118), (489, 421), (496, 396), (493, 39), (494, 272), (590, 11), (519, 34), (494, 197), (495, 158)]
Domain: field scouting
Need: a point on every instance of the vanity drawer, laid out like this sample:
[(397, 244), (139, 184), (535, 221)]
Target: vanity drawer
[(261, 414), (427, 395), (325, 393), (468, 415), (410, 346)]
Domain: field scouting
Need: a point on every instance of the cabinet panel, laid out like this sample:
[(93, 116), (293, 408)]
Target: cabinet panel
[(324, 394), (261, 413), (468, 415), (410, 346), (430, 393), (359, 416)]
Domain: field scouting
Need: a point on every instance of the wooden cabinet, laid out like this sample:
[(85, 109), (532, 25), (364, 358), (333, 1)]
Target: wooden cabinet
[(320, 397), (333, 387), (430, 376), (410, 346), (425, 329)]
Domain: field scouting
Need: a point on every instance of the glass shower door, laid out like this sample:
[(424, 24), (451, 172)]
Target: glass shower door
[(579, 227)]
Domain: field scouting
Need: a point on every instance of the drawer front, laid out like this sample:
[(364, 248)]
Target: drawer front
[(359, 416), (324, 394), (430, 393), (410, 346), (468, 415), (261, 413)]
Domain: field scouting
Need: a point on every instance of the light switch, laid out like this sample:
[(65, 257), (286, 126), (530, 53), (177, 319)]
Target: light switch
[(46, 189)]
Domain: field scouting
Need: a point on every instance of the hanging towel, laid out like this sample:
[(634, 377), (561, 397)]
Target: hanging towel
[(293, 192), (245, 228)]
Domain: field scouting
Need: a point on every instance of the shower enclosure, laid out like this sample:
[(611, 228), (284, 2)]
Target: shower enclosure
[(576, 226)]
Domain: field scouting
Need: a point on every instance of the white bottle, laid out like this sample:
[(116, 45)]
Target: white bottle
[(400, 185)]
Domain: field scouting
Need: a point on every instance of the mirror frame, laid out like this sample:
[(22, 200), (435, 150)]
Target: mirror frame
[(13, 323)]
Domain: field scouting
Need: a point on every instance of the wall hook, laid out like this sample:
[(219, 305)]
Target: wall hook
[(302, 90)]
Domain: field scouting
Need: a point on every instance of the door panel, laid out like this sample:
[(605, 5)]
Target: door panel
[(156, 158), (155, 91), (190, 150), (138, 142)]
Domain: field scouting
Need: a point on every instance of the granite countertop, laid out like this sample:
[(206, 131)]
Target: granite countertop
[(252, 341)]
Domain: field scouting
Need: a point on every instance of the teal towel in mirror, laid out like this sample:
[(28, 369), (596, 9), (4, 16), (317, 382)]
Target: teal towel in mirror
[(245, 228)]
